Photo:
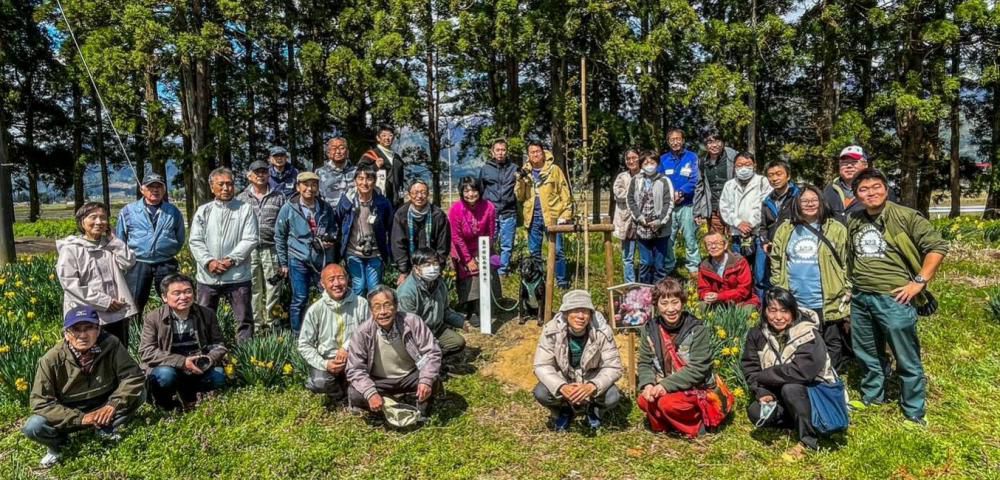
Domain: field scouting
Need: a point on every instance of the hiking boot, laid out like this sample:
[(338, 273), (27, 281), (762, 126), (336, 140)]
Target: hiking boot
[(50, 459), (593, 418), (916, 421), (563, 420), (473, 320), (109, 434)]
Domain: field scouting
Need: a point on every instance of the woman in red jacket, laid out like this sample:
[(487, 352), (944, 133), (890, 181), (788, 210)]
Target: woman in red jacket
[(724, 277)]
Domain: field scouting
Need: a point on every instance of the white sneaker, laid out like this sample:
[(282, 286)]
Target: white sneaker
[(50, 459)]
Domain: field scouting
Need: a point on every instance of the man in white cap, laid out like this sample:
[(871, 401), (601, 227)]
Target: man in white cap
[(153, 229), (265, 276), (577, 363), (838, 195)]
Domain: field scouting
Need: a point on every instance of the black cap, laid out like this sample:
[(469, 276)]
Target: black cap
[(275, 151), (153, 178), (258, 165)]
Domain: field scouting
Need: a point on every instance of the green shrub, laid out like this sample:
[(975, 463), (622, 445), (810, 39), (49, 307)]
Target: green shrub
[(266, 360), (729, 326), (993, 303), (968, 229), (46, 228)]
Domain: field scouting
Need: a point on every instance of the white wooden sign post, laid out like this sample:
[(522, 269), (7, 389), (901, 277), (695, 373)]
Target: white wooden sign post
[(485, 292)]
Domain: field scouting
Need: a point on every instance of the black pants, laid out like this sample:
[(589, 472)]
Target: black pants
[(119, 329), (326, 383), (837, 340), (609, 399), (144, 275), (393, 387), (238, 295), (793, 409)]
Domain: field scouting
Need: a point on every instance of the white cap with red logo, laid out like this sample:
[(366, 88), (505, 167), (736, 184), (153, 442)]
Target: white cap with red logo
[(853, 151)]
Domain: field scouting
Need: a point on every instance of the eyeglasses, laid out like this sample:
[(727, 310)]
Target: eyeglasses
[(382, 307), (810, 202), (715, 244)]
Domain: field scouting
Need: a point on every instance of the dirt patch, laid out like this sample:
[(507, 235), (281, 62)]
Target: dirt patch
[(975, 282), (34, 245)]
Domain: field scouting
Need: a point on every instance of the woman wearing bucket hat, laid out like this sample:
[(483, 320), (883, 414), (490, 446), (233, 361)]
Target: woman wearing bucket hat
[(577, 363)]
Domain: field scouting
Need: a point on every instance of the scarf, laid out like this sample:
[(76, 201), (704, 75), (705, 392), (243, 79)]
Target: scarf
[(86, 358), (412, 216), (708, 401)]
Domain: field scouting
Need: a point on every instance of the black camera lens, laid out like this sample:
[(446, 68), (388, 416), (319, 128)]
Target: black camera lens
[(202, 363)]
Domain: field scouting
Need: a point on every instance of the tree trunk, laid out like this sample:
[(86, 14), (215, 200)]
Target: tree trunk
[(992, 210), (430, 90), (557, 92), (34, 209), (223, 95), (102, 160), (956, 130), (79, 166), (154, 133), (929, 167), (196, 101), (290, 79), (251, 77)]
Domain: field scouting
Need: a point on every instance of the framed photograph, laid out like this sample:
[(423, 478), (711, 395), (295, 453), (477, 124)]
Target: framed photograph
[(633, 305)]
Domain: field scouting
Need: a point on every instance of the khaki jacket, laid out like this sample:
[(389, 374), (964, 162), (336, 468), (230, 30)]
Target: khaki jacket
[(553, 190), (833, 276)]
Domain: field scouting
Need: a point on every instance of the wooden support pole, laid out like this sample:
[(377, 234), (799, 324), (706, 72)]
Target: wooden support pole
[(550, 263), (550, 276), (630, 369)]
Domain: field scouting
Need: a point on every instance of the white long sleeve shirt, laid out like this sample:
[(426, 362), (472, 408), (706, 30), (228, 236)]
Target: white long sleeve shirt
[(742, 203)]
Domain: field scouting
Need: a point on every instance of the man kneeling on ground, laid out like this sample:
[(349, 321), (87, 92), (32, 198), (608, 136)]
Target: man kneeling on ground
[(577, 363), (326, 333), (87, 380), (394, 354), (182, 347)]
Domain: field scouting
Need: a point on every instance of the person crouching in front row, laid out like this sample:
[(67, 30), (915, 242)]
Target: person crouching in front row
[(577, 363)]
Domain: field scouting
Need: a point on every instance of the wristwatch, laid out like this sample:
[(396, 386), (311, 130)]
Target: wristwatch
[(920, 279)]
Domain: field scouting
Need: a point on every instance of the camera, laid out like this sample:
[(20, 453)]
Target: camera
[(522, 173), (203, 363), (320, 238), (274, 280), (367, 245)]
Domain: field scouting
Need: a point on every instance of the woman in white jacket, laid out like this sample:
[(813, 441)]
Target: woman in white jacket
[(91, 268), (624, 227), (741, 201)]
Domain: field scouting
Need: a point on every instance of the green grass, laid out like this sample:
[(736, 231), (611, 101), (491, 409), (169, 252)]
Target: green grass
[(485, 429)]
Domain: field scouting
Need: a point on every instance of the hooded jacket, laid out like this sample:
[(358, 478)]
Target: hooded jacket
[(704, 203), (767, 365), (158, 338), (600, 363), (347, 211), (742, 203), (94, 274), (266, 209), (467, 225), (428, 303), (223, 230), (418, 341), (498, 185), (437, 239), (663, 205), (294, 238), (62, 393), (328, 325), (833, 276), (151, 244), (553, 192), (735, 286), (694, 346)]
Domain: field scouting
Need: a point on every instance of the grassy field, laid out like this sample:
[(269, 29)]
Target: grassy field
[(488, 426)]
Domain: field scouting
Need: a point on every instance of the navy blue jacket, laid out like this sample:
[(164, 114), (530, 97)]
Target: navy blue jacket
[(346, 212), (284, 181), (498, 185)]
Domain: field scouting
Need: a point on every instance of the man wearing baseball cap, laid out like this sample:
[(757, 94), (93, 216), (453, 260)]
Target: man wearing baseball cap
[(153, 229), (577, 363), (282, 172), (266, 201), (838, 195), (88, 380)]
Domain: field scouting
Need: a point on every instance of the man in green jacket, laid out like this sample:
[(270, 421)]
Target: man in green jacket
[(87, 380), (425, 295), (894, 253)]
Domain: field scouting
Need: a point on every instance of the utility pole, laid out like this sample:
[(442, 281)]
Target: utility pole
[(7, 253)]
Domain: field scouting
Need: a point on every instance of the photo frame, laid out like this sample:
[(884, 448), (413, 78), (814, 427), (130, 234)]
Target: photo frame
[(632, 305)]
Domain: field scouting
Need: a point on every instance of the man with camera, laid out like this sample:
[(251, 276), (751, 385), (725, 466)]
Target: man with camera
[(266, 202), (181, 347), (364, 220), (305, 237)]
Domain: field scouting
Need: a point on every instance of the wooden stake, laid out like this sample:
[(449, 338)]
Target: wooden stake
[(550, 274)]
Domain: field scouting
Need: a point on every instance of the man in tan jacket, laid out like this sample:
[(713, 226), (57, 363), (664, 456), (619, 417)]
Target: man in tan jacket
[(577, 363)]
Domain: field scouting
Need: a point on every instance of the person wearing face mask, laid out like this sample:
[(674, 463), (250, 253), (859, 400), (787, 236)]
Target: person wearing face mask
[(418, 224), (87, 381), (91, 269), (471, 218), (577, 363), (679, 390), (808, 257), (326, 333), (623, 223), (182, 347), (426, 296), (741, 202), (650, 205), (782, 356), (724, 277)]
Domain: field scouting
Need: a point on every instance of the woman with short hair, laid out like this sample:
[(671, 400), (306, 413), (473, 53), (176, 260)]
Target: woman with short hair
[(470, 218), (91, 268), (623, 223)]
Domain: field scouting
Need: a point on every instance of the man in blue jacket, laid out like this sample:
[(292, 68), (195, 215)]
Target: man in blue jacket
[(498, 177), (282, 173), (364, 221), (304, 240), (681, 166), (153, 228)]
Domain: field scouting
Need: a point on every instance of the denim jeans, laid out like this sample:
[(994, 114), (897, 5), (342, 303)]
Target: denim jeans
[(366, 274), (144, 275), (536, 235), (652, 259), (164, 382), (506, 224), (628, 260), (238, 295), (303, 278), (683, 219), (39, 430)]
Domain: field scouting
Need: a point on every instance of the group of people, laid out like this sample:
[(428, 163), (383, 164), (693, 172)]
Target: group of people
[(810, 266)]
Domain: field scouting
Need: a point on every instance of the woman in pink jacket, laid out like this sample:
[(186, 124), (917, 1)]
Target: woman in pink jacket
[(470, 218)]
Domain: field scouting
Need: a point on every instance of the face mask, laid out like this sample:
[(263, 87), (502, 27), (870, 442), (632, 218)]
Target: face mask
[(744, 173), (766, 409), (430, 273), (649, 170)]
